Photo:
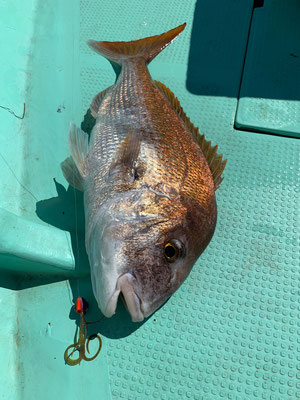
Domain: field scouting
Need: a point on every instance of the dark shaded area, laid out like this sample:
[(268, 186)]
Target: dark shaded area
[(272, 67), (117, 69), (218, 44), (258, 3), (9, 280), (63, 211), (264, 132), (66, 212), (247, 47), (88, 122), (19, 280), (116, 327)]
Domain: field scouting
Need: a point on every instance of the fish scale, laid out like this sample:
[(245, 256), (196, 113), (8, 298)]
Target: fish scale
[(149, 191), (126, 102)]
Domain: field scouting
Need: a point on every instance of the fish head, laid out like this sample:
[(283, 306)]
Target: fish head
[(145, 259)]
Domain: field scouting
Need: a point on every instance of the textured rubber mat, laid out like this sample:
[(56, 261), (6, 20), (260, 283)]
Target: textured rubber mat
[(232, 330), (270, 91)]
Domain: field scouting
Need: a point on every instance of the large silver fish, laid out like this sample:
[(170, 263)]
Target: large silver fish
[(149, 181)]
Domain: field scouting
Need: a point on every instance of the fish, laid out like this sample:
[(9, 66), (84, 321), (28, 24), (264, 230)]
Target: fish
[(149, 180)]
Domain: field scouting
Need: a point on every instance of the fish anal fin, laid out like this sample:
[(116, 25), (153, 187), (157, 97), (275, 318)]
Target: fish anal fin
[(214, 160), (97, 100), (79, 146), (71, 173)]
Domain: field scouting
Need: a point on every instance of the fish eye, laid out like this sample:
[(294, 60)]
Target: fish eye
[(173, 250)]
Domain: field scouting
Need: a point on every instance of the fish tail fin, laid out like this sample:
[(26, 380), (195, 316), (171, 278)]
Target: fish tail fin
[(147, 48)]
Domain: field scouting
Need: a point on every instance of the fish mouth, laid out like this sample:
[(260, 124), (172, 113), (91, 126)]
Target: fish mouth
[(124, 286)]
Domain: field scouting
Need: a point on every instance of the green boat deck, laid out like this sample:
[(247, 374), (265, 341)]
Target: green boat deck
[(232, 330)]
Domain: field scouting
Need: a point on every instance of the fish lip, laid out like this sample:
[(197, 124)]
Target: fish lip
[(111, 305), (125, 285)]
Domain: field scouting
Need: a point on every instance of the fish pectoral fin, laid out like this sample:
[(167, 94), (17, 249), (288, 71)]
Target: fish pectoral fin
[(72, 174), (127, 154), (97, 100), (215, 161), (79, 146)]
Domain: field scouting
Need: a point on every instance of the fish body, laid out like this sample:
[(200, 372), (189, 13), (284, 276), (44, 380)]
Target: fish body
[(149, 182)]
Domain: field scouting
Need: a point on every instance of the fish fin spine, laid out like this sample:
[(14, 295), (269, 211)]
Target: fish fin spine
[(147, 48), (215, 161), (72, 174), (79, 146)]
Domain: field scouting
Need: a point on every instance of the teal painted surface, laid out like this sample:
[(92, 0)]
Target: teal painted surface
[(270, 91), (41, 242), (35, 333), (232, 330), (39, 72)]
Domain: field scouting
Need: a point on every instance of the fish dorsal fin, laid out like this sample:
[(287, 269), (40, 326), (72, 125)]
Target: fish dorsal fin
[(127, 154), (147, 48), (79, 146), (214, 160)]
